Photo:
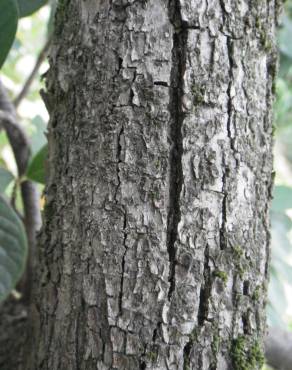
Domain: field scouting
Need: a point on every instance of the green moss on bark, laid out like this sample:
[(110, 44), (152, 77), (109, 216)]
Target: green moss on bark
[(246, 354), (221, 275)]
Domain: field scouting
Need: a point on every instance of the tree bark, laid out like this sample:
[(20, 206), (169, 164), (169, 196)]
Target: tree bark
[(155, 246)]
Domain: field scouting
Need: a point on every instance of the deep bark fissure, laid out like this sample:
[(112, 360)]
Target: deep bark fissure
[(160, 83), (205, 290), (245, 323), (223, 237), (122, 286), (123, 264), (234, 301), (119, 159), (142, 365), (205, 293), (124, 230), (155, 331), (187, 354), (175, 161), (230, 105), (222, 234), (245, 289)]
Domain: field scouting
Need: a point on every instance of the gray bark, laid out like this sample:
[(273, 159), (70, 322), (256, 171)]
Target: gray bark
[(155, 245)]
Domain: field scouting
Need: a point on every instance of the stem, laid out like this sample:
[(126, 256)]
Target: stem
[(33, 73)]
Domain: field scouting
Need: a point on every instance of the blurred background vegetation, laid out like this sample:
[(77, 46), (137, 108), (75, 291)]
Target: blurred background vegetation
[(26, 58), (279, 307), (32, 36)]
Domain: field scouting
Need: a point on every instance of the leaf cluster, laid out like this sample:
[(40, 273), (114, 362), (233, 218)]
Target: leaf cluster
[(10, 12), (13, 239)]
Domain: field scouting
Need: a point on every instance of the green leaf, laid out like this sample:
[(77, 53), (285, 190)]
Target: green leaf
[(27, 7), (282, 198), (13, 249), (51, 22), (8, 26), (36, 168), (5, 179)]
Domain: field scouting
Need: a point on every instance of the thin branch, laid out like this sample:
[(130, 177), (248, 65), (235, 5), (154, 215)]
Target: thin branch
[(17, 138), (33, 73)]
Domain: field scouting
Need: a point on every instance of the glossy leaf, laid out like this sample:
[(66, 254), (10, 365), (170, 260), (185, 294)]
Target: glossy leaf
[(36, 169), (13, 249), (6, 178), (27, 7), (8, 26)]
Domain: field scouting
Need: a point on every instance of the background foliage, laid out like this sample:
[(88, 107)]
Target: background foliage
[(280, 288), (19, 54)]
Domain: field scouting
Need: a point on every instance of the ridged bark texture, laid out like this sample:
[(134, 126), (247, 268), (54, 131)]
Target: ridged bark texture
[(155, 245)]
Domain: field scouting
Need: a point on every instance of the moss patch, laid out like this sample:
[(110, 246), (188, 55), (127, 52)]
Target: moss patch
[(246, 354), (221, 275), (256, 294), (152, 356), (198, 94), (215, 345)]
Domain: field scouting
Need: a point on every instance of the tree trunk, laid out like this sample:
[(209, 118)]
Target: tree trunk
[(155, 245)]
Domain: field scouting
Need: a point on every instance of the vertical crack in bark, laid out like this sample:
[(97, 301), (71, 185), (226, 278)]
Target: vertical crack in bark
[(235, 302), (245, 323), (175, 160), (222, 236), (142, 365), (187, 355), (231, 66), (123, 264), (156, 331), (223, 239), (205, 293), (119, 160), (119, 153), (229, 107), (221, 2)]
